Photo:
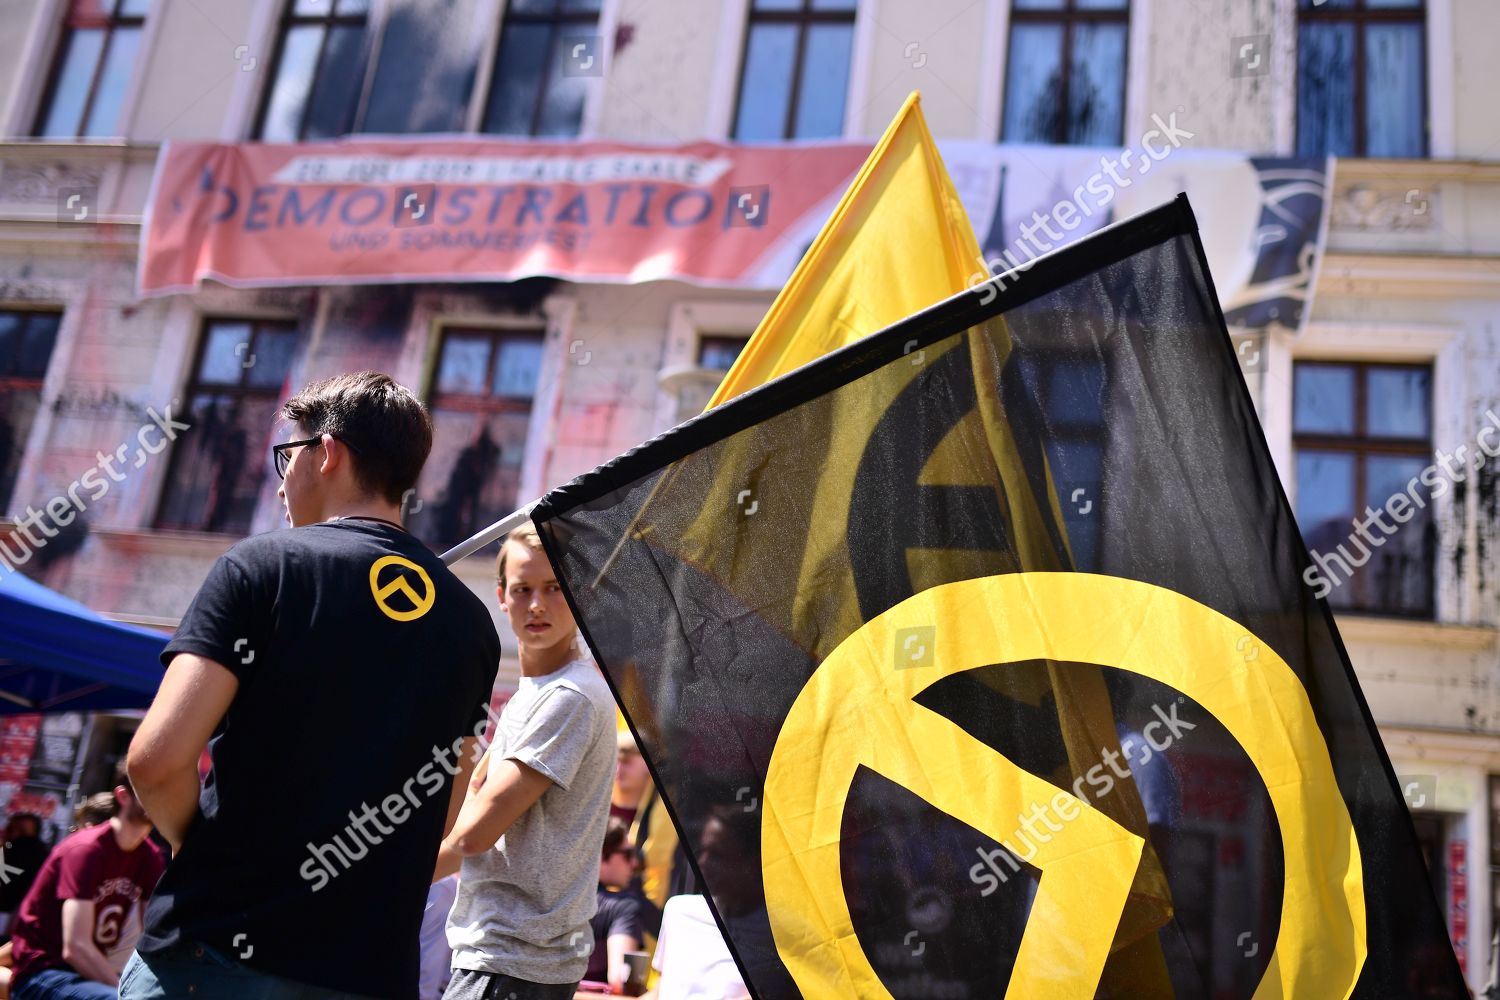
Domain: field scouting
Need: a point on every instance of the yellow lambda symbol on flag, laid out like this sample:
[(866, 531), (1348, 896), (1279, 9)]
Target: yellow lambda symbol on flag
[(420, 603), (858, 710)]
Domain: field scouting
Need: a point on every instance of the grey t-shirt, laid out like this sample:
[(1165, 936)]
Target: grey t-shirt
[(523, 906)]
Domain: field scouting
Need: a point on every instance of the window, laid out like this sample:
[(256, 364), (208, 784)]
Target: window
[(795, 71), (1363, 437), (324, 82), (26, 341), (1361, 78), (1065, 74), (220, 462), (93, 66), (318, 72), (549, 50), (481, 409), (423, 80), (1069, 390), (718, 353)]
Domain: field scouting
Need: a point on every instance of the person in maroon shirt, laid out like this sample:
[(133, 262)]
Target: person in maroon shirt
[(82, 898)]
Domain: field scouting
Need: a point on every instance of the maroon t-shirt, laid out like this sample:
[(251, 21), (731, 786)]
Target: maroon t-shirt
[(91, 865)]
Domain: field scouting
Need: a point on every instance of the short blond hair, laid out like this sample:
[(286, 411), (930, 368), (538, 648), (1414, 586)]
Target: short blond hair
[(526, 535)]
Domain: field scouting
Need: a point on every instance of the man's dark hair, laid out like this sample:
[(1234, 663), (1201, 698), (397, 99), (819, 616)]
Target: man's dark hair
[(386, 427), (743, 826), (614, 837), (28, 817)]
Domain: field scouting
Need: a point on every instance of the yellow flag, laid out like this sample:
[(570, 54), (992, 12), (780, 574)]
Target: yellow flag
[(860, 275), (898, 242)]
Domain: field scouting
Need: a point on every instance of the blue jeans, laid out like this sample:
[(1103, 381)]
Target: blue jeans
[(62, 984), (198, 972)]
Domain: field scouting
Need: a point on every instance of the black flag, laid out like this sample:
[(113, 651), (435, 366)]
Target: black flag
[(974, 660)]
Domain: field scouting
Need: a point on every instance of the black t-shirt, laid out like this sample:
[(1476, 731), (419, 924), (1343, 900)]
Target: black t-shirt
[(363, 663), (618, 913), (26, 854)]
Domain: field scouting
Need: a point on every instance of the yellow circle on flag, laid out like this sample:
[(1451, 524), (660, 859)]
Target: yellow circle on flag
[(858, 709), (421, 603)]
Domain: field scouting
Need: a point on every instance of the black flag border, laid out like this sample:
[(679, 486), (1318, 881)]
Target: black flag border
[(1046, 274)]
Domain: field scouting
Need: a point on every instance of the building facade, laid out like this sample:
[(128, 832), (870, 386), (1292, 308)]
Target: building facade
[(1395, 365)]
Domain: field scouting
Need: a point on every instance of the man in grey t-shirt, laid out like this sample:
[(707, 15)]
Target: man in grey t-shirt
[(526, 842)]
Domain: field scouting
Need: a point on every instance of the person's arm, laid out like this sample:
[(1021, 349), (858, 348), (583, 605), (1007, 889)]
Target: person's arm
[(508, 790), (550, 747), (624, 933), (616, 945), (163, 757), (465, 783), (78, 948)]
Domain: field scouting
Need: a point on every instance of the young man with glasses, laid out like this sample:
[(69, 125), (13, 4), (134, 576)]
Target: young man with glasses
[(343, 640)]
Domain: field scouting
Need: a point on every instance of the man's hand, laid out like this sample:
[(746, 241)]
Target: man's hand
[(163, 757), (619, 975), (615, 947), (78, 948)]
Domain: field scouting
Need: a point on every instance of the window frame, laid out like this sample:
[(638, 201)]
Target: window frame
[(376, 17), (192, 388), (10, 383), (485, 404), (1361, 16), (559, 20), (71, 22), (717, 338), (683, 386), (803, 18), (1361, 445), (1069, 16), (288, 18), (26, 383)]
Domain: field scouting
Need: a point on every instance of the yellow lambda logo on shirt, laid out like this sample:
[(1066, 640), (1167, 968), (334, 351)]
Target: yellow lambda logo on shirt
[(858, 710), (398, 582)]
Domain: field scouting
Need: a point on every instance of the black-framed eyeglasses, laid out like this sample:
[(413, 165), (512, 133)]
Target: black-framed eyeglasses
[(281, 453)]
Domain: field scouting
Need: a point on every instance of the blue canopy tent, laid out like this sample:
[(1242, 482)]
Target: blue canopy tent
[(56, 655)]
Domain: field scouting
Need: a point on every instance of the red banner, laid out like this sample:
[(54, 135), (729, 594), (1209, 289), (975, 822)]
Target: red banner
[(363, 211), (1458, 900)]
